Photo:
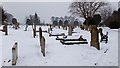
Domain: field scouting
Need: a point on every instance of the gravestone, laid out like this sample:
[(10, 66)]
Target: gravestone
[(34, 26), (95, 37), (26, 27), (16, 26), (43, 45), (51, 27), (40, 32), (5, 29), (49, 30), (14, 53), (34, 32), (70, 30), (40, 35)]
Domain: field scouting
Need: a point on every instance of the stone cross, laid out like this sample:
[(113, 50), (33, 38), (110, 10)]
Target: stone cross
[(14, 53), (95, 37)]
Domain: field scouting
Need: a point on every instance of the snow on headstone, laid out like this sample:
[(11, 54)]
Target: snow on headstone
[(43, 45), (14, 53), (95, 37)]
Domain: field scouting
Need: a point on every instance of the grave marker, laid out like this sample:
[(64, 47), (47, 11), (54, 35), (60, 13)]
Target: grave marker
[(14, 53), (70, 30), (34, 32), (95, 37), (43, 45), (5, 29), (40, 32)]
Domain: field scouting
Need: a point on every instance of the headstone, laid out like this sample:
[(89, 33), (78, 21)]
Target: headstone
[(65, 27), (34, 32), (40, 32), (43, 46), (5, 29), (34, 26), (14, 53), (95, 37), (40, 35), (51, 27), (17, 25), (26, 27), (49, 30), (69, 30)]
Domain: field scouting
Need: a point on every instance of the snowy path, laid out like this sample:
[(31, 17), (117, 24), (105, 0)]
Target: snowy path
[(56, 53)]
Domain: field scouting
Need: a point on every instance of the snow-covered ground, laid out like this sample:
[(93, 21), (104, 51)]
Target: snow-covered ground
[(56, 53)]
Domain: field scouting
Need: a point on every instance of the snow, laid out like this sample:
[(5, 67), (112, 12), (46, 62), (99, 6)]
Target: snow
[(29, 51), (0, 48)]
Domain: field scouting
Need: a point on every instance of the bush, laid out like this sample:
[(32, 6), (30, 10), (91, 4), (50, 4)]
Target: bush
[(113, 21), (82, 27), (95, 20)]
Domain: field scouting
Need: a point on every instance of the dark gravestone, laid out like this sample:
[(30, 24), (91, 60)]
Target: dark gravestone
[(34, 32), (69, 30), (40, 35), (51, 27), (14, 53), (5, 29), (40, 32), (16, 26), (42, 42), (95, 37)]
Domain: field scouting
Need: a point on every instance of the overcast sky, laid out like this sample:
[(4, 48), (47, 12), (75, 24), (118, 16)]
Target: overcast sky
[(44, 9)]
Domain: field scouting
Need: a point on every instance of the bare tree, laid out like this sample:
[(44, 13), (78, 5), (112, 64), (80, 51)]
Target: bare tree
[(85, 9), (106, 12)]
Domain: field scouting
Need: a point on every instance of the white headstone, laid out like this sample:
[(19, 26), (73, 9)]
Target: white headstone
[(14, 53)]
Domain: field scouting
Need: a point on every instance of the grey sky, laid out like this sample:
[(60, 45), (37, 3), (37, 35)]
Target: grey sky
[(44, 9)]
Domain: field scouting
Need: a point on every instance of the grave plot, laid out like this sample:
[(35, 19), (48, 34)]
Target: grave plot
[(66, 41)]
